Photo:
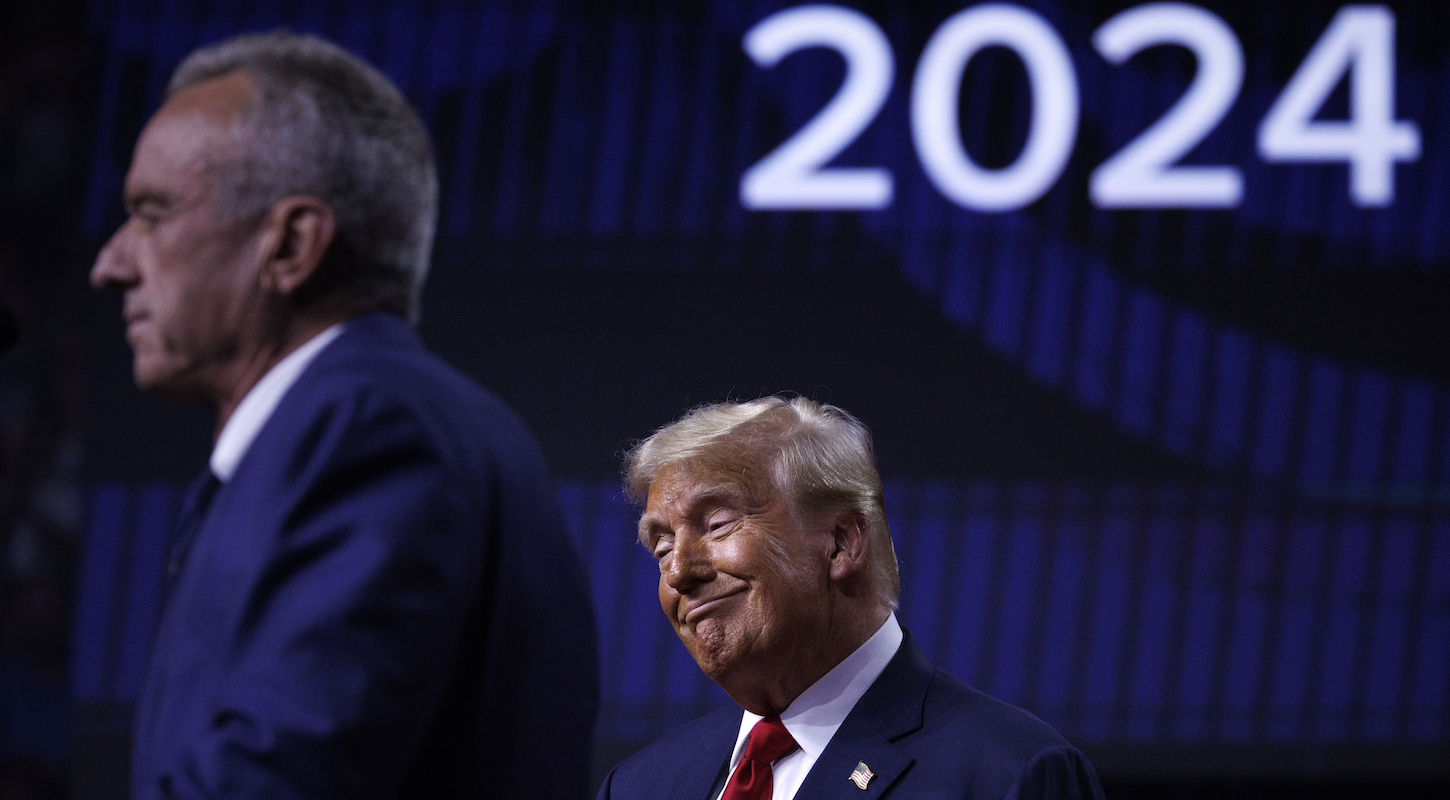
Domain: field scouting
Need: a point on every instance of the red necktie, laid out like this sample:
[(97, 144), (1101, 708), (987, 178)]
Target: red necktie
[(767, 743)]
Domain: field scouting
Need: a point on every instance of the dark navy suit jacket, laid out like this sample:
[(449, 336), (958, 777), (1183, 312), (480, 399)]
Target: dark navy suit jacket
[(382, 602), (922, 732)]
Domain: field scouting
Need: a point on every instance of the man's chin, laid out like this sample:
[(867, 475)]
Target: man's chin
[(164, 382), (711, 647)]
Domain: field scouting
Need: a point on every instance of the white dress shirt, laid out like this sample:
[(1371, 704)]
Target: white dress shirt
[(259, 403), (814, 716)]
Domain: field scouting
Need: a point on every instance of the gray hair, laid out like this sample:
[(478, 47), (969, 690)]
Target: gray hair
[(325, 124), (817, 456)]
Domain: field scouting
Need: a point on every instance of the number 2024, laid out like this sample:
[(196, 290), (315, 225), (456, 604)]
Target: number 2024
[(1144, 174)]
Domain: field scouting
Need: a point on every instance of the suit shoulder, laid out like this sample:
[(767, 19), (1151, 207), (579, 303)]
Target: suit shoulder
[(987, 725), (696, 730), (404, 370), (994, 745), (393, 376), (698, 744)]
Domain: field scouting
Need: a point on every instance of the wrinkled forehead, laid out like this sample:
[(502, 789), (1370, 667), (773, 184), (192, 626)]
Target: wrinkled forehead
[(680, 488), (750, 484), (681, 492)]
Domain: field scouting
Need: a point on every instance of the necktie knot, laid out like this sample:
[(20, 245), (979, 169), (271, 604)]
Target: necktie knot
[(769, 741)]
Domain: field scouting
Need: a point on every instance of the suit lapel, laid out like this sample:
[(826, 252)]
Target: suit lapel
[(831, 776), (890, 709), (703, 770), (198, 500)]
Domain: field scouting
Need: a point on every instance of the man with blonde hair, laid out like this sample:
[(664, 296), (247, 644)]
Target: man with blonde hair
[(778, 574)]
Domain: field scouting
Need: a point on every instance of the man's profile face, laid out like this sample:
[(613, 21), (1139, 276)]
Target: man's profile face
[(745, 585), (189, 277)]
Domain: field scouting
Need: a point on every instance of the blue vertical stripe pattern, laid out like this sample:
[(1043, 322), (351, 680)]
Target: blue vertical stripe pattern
[(926, 567), (1371, 406), (1158, 606), (1234, 361), (1276, 412), (509, 189), (1390, 630), (622, 81), (653, 141), (1417, 419), (1119, 613), (1184, 407), (1245, 656), (566, 159), (702, 184), (1298, 626), (1141, 358), (1096, 338), (978, 532), (489, 23), (1350, 646), (1342, 629), (1063, 611), (1322, 422), (1103, 679), (1205, 601), (1006, 296), (661, 137), (1429, 705), (1051, 318), (1019, 595), (962, 284)]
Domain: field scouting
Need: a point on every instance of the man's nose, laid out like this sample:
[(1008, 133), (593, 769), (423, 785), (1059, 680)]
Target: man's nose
[(690, 564), (114, 267)]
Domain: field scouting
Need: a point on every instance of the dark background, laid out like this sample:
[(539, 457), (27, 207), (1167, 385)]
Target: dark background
[(1177, 480)]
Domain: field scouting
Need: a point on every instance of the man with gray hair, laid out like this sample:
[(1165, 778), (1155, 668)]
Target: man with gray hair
[(371, 593), (778, 574)]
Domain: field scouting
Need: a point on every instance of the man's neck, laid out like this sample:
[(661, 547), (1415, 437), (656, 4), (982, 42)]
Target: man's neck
[(285, 338), (771, 689)]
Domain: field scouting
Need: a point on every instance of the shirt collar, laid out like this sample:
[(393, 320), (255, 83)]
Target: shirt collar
[(815, 715), (259, 403)]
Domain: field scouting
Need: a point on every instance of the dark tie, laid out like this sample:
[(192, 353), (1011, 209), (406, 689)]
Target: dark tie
[(767, 743), (193, 510)]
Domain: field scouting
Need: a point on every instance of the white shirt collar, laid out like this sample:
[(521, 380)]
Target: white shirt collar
[(815, 715), (259, 403)]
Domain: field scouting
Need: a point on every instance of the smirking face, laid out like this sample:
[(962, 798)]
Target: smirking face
[(744, 581)]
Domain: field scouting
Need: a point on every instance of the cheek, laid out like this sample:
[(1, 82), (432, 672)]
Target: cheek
[(741, 555), (669, 600)]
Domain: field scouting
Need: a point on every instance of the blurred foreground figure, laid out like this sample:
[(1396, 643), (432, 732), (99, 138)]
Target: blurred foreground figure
[(372, 593), (778, 574)]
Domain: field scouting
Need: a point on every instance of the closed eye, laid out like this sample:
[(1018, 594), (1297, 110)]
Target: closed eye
[(720, 523), (147, 208)]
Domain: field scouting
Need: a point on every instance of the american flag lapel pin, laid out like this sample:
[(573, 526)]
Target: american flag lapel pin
[(862, 775)]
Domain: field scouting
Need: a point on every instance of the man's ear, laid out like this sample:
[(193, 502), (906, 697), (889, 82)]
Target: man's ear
[(300, 229), (851, 540)]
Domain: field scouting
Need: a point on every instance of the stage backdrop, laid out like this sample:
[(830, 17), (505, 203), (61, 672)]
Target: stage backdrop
[(1143, 302)]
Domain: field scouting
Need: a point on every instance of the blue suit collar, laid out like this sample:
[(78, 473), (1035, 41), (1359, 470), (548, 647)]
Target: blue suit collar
[(890, 709), (377, 328), (705, 769)]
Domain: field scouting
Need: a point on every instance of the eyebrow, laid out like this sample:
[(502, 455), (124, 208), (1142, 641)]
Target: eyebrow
[(714, 493), (646, 528), (143, 197)]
